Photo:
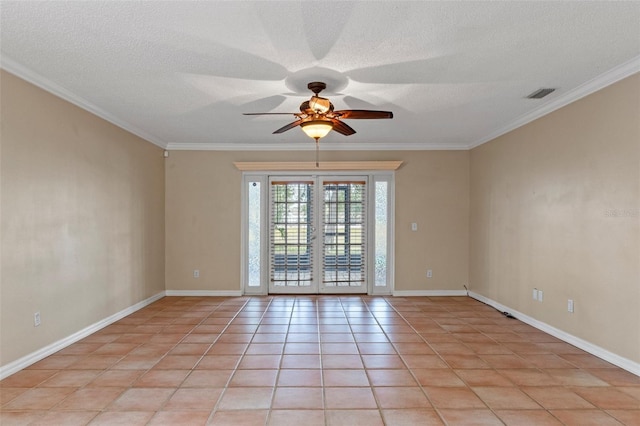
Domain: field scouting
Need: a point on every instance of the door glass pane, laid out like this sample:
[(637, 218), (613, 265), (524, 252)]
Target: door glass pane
[(343, 252), (381, 234), (253, 249), (291, 234)]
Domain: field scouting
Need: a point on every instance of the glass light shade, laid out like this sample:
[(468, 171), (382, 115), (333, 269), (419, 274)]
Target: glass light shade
[(319, 104), (317, 129)]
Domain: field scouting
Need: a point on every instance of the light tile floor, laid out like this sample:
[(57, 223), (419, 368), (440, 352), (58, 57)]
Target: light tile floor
[(320, 360)]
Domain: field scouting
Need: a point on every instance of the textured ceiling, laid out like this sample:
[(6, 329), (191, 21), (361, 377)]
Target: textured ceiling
[(455, 74)]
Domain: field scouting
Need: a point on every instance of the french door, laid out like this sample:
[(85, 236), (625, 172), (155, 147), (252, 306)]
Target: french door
[(317, 234)]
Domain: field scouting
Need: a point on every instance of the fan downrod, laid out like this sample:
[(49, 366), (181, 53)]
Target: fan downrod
[(316, 87)]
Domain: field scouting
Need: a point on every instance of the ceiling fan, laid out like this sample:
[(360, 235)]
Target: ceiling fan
[(317, 116)]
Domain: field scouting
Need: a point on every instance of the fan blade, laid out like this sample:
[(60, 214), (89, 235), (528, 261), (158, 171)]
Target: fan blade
[(270, 113), (342, 128), (363, 114), (288, 126)]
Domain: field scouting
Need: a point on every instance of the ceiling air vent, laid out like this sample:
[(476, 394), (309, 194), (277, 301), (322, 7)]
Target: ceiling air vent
[(540, 93)]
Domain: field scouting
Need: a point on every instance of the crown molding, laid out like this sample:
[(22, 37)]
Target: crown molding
[(598, 83), (310, 146), (323, 165), (47, 85), (612, 76)]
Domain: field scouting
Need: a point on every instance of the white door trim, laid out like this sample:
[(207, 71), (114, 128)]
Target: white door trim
[(256, 282)]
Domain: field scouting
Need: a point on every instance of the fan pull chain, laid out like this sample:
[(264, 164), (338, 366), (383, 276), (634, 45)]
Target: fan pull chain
[(317, 153)]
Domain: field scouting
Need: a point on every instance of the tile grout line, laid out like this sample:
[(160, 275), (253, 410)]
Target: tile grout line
[(105, 408), (216, 406), (193, 367), (357, 314)]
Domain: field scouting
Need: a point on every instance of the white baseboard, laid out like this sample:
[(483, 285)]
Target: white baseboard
[(408, 293), (200, 293), (32, 358), (624, 363)]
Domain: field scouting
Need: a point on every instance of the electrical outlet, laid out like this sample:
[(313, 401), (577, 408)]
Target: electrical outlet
[(414, 226), (429, 273), (36, 319), (196, 273), (570, 305), (540, 296)]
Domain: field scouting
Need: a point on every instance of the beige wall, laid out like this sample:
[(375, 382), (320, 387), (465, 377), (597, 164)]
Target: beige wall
[(82, 219), (203, 216), (543, 199)]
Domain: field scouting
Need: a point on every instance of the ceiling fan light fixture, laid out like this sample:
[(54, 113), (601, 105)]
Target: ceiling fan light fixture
[(316, 129), (317, 117)]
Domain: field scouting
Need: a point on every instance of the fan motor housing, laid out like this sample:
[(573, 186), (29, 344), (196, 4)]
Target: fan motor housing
[(316, 86)]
